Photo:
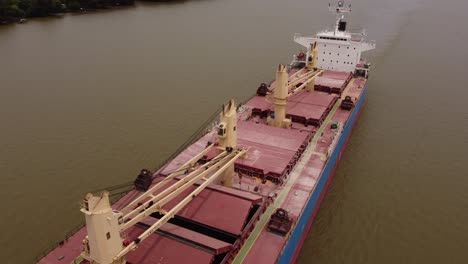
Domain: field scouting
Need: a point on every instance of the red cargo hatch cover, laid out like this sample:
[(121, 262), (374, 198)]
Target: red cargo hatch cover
[(164, 250), (216, 209)]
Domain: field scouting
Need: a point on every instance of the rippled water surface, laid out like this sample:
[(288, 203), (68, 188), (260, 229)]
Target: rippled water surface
[(88, 100)]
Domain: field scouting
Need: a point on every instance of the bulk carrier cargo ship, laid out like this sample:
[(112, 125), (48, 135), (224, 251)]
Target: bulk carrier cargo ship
[(247, 189)]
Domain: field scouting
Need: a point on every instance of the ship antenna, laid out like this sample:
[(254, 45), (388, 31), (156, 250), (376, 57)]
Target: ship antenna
[(340, 9)]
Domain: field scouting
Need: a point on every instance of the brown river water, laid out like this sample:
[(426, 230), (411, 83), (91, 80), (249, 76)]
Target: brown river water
[(86, 101)]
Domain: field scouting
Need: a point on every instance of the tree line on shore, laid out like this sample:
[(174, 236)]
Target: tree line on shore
[(11, 10)]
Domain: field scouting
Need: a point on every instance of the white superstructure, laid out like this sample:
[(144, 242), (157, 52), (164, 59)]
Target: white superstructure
[(338, 49)]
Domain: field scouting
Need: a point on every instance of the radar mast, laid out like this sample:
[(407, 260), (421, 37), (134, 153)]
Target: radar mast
[(340, 9)]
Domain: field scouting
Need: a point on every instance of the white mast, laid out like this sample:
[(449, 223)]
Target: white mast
[(340, 10)]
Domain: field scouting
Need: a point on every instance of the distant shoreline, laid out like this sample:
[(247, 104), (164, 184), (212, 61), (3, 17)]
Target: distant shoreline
[(17, 15)]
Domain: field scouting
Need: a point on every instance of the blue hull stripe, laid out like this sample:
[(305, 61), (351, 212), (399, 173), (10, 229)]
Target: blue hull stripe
[(291, 247)]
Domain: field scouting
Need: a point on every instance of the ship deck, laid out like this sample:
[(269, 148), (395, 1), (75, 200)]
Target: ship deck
[(281, 170)]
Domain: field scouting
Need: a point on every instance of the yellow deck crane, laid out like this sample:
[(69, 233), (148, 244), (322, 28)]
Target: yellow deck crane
[(285, 87), (104, 242)]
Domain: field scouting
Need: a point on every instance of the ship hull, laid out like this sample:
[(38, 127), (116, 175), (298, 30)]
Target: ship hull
[(302, 196), (298, 235)]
